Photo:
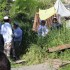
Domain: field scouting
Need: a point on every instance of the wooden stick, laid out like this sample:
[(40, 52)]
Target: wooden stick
[(59, 48)]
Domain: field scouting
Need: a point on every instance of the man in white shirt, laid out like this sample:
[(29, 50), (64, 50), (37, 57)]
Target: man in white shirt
[(6, 31)]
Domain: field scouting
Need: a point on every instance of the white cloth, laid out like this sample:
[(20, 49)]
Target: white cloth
[(61, 9), (6, 31), (42, 30)]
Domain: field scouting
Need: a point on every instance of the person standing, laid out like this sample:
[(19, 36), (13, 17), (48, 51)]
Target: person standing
[(6, 31), (17, 38)]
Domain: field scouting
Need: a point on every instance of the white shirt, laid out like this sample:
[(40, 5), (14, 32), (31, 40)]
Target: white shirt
[(42, 30), (6, 31)]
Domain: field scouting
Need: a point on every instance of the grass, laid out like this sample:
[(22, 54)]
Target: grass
[(67, 67)]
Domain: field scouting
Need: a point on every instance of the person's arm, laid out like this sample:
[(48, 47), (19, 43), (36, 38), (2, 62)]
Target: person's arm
[(10, 30), (40, 30), (46, 30), (2, 30), (2, 39)]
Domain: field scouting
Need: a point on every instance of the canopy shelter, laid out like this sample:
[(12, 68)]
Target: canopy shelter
[(58, 10), (37, 21), (45, 14)]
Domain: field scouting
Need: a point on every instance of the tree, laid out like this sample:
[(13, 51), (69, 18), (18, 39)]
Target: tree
[(2, 8), (23, 7)]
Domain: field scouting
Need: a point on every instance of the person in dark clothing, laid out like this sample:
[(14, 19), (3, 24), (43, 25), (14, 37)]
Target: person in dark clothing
[(55, 24), (4, 62), (17, 38), (1, 43)]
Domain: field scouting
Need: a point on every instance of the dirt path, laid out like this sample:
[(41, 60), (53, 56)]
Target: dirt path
[(51, 64), (44, 66)]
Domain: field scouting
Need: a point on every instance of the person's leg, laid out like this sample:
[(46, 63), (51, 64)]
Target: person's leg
[(17, 49), (7, 48)]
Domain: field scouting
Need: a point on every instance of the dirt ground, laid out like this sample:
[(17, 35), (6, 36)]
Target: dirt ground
[(43, 66)]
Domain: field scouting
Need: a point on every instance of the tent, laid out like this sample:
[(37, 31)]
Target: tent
[(45, 14), (61, 9)]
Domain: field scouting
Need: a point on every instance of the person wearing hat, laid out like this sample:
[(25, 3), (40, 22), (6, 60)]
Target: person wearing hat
[(17, 38), (6, 31)]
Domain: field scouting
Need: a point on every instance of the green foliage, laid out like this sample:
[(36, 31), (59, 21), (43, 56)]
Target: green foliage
[(27, 7), (37, 48), (2, 8), (44, 4), (34, 55), (67, 67)]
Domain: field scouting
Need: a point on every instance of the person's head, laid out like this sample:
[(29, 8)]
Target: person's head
[(4, 62), (15, 25), (54, 20), (6, 19), (43, 22)]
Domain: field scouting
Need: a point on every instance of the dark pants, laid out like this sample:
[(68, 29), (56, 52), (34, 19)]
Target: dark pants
[(1, 43), (16, 50)]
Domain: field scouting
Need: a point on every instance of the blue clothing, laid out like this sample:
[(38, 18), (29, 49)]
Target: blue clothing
[(42, 30), (17, 34), (17, 37)]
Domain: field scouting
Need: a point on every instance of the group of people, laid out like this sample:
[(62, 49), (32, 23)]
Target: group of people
[(10, 38), (43, 29)]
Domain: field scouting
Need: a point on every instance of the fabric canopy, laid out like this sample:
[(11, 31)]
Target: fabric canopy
[(61, 9), (45, 14), (58, 8)]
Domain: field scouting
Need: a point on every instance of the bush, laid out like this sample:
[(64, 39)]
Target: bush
[(35, 54)]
